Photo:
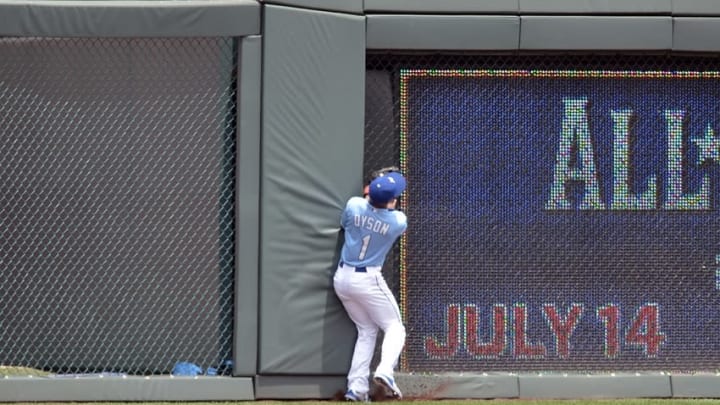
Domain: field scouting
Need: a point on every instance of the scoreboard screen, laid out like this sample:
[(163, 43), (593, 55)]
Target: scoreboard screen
[(560, 219)]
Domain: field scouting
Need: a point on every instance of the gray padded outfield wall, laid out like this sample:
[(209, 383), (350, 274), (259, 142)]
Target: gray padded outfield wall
[(203, 18), (247, 204), (696, 34), (447, 32), (343, 6), (157, 208), (596, 33), (313, 98), (696, 7), (442, 7), (407, 6), (638, 7)]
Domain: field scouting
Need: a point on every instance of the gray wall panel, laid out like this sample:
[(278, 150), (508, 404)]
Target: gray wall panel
[(312, 151), (596, 6), (47, 18), (439, 7), (476, 386), (696, 7), (595, 386), (696, 386), (696, 34), (414, 386), (595, 33), (298, 387), (247, 225), (458, 386), (447, 32), (127, 389), (348, 6)]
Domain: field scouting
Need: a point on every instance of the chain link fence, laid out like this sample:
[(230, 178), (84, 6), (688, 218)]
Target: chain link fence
[(492, 277), (116, 203)]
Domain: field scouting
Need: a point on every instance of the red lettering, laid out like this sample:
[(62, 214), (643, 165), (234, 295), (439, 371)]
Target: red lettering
[(523, 349), (464, 331), (645, 330), (562, 327), (610, 316), (497, 344), (446, 350)]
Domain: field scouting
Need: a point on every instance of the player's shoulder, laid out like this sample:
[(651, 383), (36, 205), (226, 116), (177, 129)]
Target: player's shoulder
[(356, 203), (355, 200), (400, 216)]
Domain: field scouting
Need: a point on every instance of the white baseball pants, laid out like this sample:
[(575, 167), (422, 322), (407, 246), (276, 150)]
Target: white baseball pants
[(371, 306)]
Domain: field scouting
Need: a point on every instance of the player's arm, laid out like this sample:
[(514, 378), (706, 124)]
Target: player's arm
[(350, 208), (402, 221), (345, 218)]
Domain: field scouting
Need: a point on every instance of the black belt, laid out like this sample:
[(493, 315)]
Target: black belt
[(362, 269)]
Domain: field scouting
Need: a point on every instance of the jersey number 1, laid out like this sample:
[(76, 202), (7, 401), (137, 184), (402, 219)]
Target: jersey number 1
[(363, 250)]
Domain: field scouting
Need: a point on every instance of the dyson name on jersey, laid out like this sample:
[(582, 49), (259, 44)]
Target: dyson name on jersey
[(371, 224)]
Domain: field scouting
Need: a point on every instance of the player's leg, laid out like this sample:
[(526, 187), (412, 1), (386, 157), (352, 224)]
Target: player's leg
[(358, 376), (384, 311)]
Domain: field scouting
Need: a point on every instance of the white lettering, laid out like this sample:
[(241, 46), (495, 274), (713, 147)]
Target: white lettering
[(575, 132), (371, 224), (575, 162)]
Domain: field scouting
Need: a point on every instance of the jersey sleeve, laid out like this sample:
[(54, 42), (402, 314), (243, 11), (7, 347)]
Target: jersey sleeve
[(351, 208), (401, 220)]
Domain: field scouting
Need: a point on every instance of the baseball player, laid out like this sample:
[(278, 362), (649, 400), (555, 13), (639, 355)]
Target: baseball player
[(372, 225)]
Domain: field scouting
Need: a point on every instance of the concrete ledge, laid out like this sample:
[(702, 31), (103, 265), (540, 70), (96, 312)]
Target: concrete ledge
[(595, 386), (458, 386), (302, 387), (414, 386), (58, 389), (446, 32), (696, 386), (435, 386)]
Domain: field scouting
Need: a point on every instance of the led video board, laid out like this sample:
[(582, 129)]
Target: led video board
[(560, 220)]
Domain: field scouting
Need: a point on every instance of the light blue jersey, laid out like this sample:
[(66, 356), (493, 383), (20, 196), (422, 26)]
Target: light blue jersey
[(369, 232)]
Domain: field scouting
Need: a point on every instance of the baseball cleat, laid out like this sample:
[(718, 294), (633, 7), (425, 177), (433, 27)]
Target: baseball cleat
[(389, 383), (351, 396)]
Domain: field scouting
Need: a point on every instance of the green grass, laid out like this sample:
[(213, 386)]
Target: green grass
[(640, 401), (634, 401), (13, 371)]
